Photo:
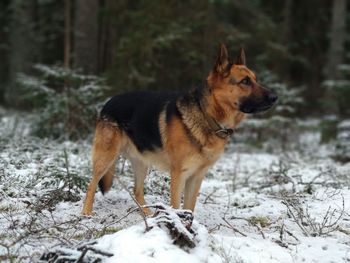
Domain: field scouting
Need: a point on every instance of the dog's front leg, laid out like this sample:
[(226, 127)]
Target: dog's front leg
[(192, 187), (177, 184)]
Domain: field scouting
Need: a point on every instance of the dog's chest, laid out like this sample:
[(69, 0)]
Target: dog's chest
[(212, 153), (201, 160)]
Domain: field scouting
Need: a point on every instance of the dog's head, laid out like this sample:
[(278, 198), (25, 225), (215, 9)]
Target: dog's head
[(235, 85)]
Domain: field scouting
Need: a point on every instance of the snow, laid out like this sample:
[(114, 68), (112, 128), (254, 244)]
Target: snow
[(241, 213), (135, 245), (252, 250), (317, 249)]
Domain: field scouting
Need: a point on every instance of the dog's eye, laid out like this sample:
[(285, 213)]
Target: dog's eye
[(246, 81)]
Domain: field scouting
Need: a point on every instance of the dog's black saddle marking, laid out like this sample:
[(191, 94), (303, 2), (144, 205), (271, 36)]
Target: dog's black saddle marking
[(137, 113)]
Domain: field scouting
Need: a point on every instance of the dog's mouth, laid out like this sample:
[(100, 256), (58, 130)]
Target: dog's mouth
[(250, 109)]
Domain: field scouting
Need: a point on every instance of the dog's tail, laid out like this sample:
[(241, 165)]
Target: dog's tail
[(106, 181)]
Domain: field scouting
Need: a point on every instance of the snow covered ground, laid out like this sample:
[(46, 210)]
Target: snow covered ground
[(291, 206)]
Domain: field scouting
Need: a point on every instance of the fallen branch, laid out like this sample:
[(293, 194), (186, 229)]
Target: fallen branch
[(77, 254), (179, 222)]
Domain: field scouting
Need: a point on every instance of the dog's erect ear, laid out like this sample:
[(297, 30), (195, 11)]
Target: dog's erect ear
[(240, 60), (221, 65)]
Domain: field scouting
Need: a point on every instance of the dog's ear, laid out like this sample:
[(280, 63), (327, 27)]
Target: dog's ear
[(240, 60), (222, 64)]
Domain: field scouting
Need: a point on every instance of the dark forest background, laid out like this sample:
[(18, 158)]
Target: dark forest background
[(171, 45)]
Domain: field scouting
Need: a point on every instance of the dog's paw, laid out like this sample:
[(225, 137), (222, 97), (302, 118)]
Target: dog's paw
[(86, 213)]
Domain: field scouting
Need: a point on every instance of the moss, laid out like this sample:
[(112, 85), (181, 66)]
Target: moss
[(4, 236), (78, 237), (107, 231), (9, 258), (263, 221), (6, 208)]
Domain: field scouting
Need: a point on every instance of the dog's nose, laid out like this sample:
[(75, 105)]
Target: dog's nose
[(273, 96)]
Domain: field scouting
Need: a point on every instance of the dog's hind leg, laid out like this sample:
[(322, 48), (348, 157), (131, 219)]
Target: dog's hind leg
[(106, 146), (140, 170)]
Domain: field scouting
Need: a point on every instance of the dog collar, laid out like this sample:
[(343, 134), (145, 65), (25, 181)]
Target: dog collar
[(219, 131)]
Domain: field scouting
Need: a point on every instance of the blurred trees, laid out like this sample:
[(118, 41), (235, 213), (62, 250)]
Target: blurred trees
[(22, 40), (67, 34), (86, 35), (4, 48), (167, 45), (31, 32), (337, 39), (335, 94)]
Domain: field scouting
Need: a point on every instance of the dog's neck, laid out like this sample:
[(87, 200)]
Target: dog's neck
[(197, 116), (224, 114), (219, 130)]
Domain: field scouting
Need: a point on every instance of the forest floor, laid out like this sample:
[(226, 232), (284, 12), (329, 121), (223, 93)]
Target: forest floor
[(285, 206)]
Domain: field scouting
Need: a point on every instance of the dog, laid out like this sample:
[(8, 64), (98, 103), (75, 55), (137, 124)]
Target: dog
[(181, 132)]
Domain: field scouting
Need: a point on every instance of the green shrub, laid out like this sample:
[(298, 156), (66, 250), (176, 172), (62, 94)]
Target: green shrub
[(328, 128), (338, 91), (342, 150), (66, 103)]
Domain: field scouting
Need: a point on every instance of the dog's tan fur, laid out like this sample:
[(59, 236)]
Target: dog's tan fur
[(188, 158)]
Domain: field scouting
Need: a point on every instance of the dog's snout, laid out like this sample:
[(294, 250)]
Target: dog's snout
[(272, 96)]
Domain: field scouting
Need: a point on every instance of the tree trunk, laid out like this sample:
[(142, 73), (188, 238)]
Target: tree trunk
[(284, 67), (23, 41), (106, 35), (67, 33), (335, 54), (337, 38), (287, 20), (4, 49), (66, 60), (86, 35)]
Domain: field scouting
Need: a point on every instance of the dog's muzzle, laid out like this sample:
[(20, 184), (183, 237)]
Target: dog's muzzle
[(254, 104)]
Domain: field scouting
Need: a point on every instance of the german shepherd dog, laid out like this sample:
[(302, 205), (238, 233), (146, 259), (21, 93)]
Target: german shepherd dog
[(180, 132)]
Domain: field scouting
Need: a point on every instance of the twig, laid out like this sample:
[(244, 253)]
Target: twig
[(209, 195), (235, 171), (137, 203), (281, 231), (123, 165), (306, 233), (89, 246), (250, 223), (124, 216), (329, 222), (284, 229), (327, 218), (260, 230), (228, 202), (232, 227), (292, 235)]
